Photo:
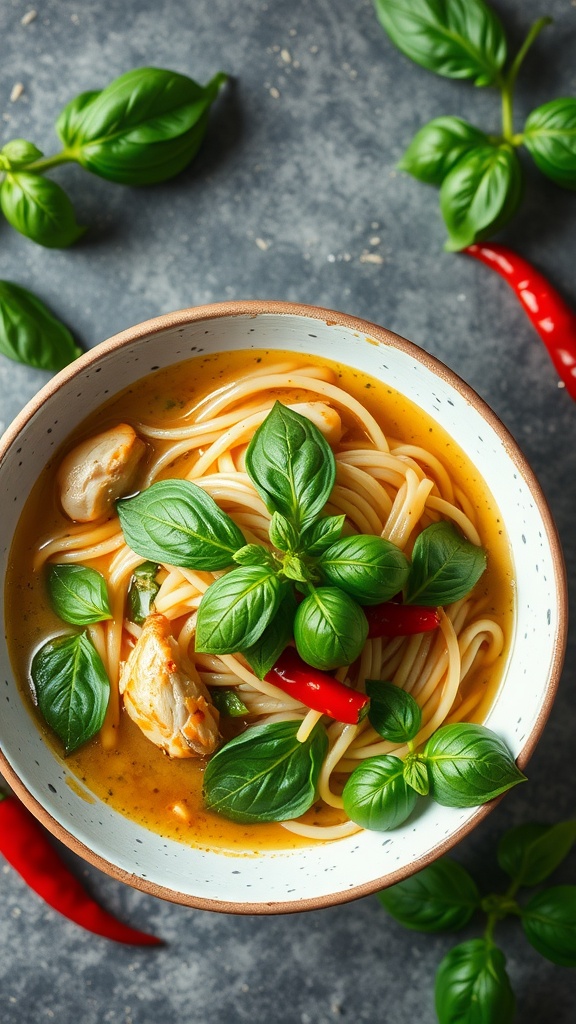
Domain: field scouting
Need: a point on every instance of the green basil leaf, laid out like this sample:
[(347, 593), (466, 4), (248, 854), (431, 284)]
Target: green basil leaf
[(265, 774), (282, 534), (30, 334), (550, 137), (438, 147), (480, 194), (144, 127), (175, 521), (416, 774), (445, 566), (291, 466), (78, 594), (549, 922), (262, 655), (442, 897), (321, 534), (393, 713), (71, 687), (370, 569), (236, 609), (38, 208), (254, 554), (330, 629), (376, 795), (468, 765), (530, 853), (227, 702), (454, 38), (299, 570), (142, 592), (19, 152), (472, 986)]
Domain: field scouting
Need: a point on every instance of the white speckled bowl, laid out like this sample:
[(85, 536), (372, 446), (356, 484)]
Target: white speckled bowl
[(325, 873)]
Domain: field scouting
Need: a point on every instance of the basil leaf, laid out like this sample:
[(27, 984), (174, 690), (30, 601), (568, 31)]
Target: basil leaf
[(438, 147), (472, 986), (38, 208), (330, 629), (416, 774), (291, 465), (442, 897), (376, 795), (236, 609), (262, 655), (480, 194), (142, 592), (295, 568), (144, 127), (469, 765), (78, 594), (282, 534), (19, 152), (550, 137), (370, 569), (254, 554), (445, 566), (72, 688), (227, 702), (530, 853), (454, 38), (30, 334), (175, 521), (549, 922), (265, 774), (321, 534), (393, 712)]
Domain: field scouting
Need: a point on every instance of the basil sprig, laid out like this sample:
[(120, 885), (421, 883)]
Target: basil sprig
[(29, 333), (472, 984), (265, 774), (253, 609), (71, 687), (143, 128), (480, 178)]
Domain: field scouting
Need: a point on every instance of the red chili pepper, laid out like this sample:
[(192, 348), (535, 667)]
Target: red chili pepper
[(544, 306), (317, 690), (393, 619), (26, 847)]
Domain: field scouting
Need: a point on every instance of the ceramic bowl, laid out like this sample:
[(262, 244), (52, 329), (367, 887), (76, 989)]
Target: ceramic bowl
[(325, 873)]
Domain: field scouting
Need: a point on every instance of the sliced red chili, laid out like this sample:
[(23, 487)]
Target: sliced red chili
[(26, 846), (317, 690), (394, 619), (544, 306)]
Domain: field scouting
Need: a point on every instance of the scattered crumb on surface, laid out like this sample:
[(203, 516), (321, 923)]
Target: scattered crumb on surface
[(17, 90), (262, 244), (375, 240), (27, 18), (286, 56), (371, 257), (274, 93)]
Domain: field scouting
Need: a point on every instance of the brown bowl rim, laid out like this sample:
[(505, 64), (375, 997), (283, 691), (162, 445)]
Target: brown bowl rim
[(254, 308)]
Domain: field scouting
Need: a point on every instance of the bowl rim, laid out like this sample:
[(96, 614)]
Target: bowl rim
[(253, 308)]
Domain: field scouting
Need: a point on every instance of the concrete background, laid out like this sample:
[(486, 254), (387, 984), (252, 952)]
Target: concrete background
[(294, 196)]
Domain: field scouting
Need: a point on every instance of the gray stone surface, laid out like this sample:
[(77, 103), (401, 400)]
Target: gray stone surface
[(296, 183)]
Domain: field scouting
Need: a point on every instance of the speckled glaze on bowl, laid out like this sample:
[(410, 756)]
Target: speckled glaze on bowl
[(325, 873)]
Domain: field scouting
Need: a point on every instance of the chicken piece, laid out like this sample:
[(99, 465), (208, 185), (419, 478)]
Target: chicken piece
[(164, 695), (99, 470), (322, 416)]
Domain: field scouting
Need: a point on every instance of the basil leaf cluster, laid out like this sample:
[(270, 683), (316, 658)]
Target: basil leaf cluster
[(472, 983), (479, 175), (312, 583), (69, 679), (142, 129)]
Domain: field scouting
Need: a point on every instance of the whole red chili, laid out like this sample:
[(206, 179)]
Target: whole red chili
[(394, 619), (25, 845), (317, 690), (544, 306)]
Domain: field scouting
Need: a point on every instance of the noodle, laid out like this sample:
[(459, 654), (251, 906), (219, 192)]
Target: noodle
[(383, 487)]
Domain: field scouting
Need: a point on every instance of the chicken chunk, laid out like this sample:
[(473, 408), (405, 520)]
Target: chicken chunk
[(164, 696), (99, 470)]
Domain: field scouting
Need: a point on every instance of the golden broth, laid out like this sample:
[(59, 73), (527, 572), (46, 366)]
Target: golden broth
[(136, 778)]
